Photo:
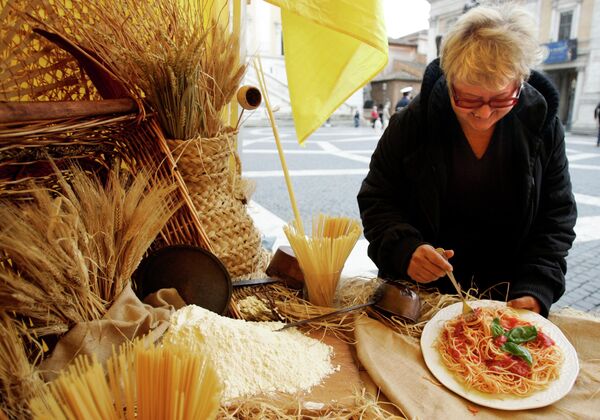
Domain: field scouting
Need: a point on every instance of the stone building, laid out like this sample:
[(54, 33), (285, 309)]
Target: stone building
[(406, 64), (569, 32)]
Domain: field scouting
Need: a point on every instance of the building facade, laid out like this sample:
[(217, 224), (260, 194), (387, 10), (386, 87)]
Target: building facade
[(406, 64), (569, 33)]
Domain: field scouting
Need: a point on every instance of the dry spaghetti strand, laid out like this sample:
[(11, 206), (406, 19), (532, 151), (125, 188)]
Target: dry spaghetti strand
[(468, 348), (171, 381), (322, 256)]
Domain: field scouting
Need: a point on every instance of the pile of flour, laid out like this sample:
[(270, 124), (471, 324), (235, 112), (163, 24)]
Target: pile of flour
[(250, 357)]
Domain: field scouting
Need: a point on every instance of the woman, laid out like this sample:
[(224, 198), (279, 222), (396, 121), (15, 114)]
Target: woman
[(476, 165)]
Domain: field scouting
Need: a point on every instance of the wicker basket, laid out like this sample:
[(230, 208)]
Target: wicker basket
[(36, 73), (95, 143), (216, 192)]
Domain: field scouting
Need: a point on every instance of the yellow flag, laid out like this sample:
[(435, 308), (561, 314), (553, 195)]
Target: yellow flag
[(332, 48)]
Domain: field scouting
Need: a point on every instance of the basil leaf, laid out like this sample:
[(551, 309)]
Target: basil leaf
[(518, 351), (522, 334), (497, 328)]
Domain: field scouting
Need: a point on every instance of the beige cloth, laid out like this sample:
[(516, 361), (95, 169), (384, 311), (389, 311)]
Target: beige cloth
[(126, 319), (396, 365)]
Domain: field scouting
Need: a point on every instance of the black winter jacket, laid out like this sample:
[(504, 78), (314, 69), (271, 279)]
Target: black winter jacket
[(401, 196)]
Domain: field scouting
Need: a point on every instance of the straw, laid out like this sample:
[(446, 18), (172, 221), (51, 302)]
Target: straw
[(365, 405), (19, 380), (73, 251), (178, 57)]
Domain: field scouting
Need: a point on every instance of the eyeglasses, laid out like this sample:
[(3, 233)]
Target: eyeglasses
[(492, 103)]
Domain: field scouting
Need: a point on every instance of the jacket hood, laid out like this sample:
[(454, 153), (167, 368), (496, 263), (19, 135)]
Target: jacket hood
[(537, 106)]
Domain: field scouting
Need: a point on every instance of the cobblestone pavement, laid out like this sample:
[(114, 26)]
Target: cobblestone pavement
[(583, 262)]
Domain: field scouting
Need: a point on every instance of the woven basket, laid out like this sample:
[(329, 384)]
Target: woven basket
[(95, 143), (31, 67), (216, 192), (34, 73)]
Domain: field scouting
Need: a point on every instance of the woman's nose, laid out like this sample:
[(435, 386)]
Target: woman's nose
[(484, 111)]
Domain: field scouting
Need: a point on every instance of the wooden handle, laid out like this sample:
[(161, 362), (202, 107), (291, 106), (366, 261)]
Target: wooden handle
[(15, 112)]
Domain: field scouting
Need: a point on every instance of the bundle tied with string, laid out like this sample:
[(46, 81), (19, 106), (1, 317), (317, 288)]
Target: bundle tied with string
[(322, 256), (219, 196)]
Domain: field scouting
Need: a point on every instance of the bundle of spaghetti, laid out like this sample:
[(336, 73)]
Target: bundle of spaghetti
[(175, 381), (79, 392), (144, 382), (323, 255), (469, 349)]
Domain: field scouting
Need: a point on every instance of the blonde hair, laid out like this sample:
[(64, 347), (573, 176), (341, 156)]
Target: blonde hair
[(491, 47)]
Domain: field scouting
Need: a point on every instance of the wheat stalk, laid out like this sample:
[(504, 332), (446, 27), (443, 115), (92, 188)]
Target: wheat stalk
[(18, 379), (174, 54), (69, 255)]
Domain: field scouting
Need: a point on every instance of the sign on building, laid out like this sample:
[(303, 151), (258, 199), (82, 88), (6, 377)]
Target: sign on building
[(560, 51)]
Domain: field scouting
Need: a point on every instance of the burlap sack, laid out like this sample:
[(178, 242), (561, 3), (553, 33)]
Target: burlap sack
[(126, 319), (396, 365), (220, 196)]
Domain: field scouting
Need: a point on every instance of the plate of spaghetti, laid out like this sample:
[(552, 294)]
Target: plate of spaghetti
[(499, 357)]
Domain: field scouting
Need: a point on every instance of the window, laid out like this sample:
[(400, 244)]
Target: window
[(564, 25)]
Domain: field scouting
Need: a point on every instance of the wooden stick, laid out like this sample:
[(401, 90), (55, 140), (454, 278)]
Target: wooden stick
[(286, 174), (15, 112), (234, 117)]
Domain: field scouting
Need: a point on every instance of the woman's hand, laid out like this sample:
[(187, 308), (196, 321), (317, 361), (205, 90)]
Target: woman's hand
[(525, 302), (427, 265)]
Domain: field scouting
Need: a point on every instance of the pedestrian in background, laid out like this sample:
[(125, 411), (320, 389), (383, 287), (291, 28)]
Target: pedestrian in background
[(597, 118), (356, 118), (374, 116), (476, 165), (385, 116), (405, 100)]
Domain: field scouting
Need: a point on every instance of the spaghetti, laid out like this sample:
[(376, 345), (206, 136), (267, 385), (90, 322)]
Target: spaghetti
[(169, 381), (494, 351), (322, 256)]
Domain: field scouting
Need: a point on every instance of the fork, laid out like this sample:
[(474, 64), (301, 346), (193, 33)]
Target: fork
[(466, 308)]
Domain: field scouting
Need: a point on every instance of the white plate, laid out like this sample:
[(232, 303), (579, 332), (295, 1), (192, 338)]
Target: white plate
[(555, 391)]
